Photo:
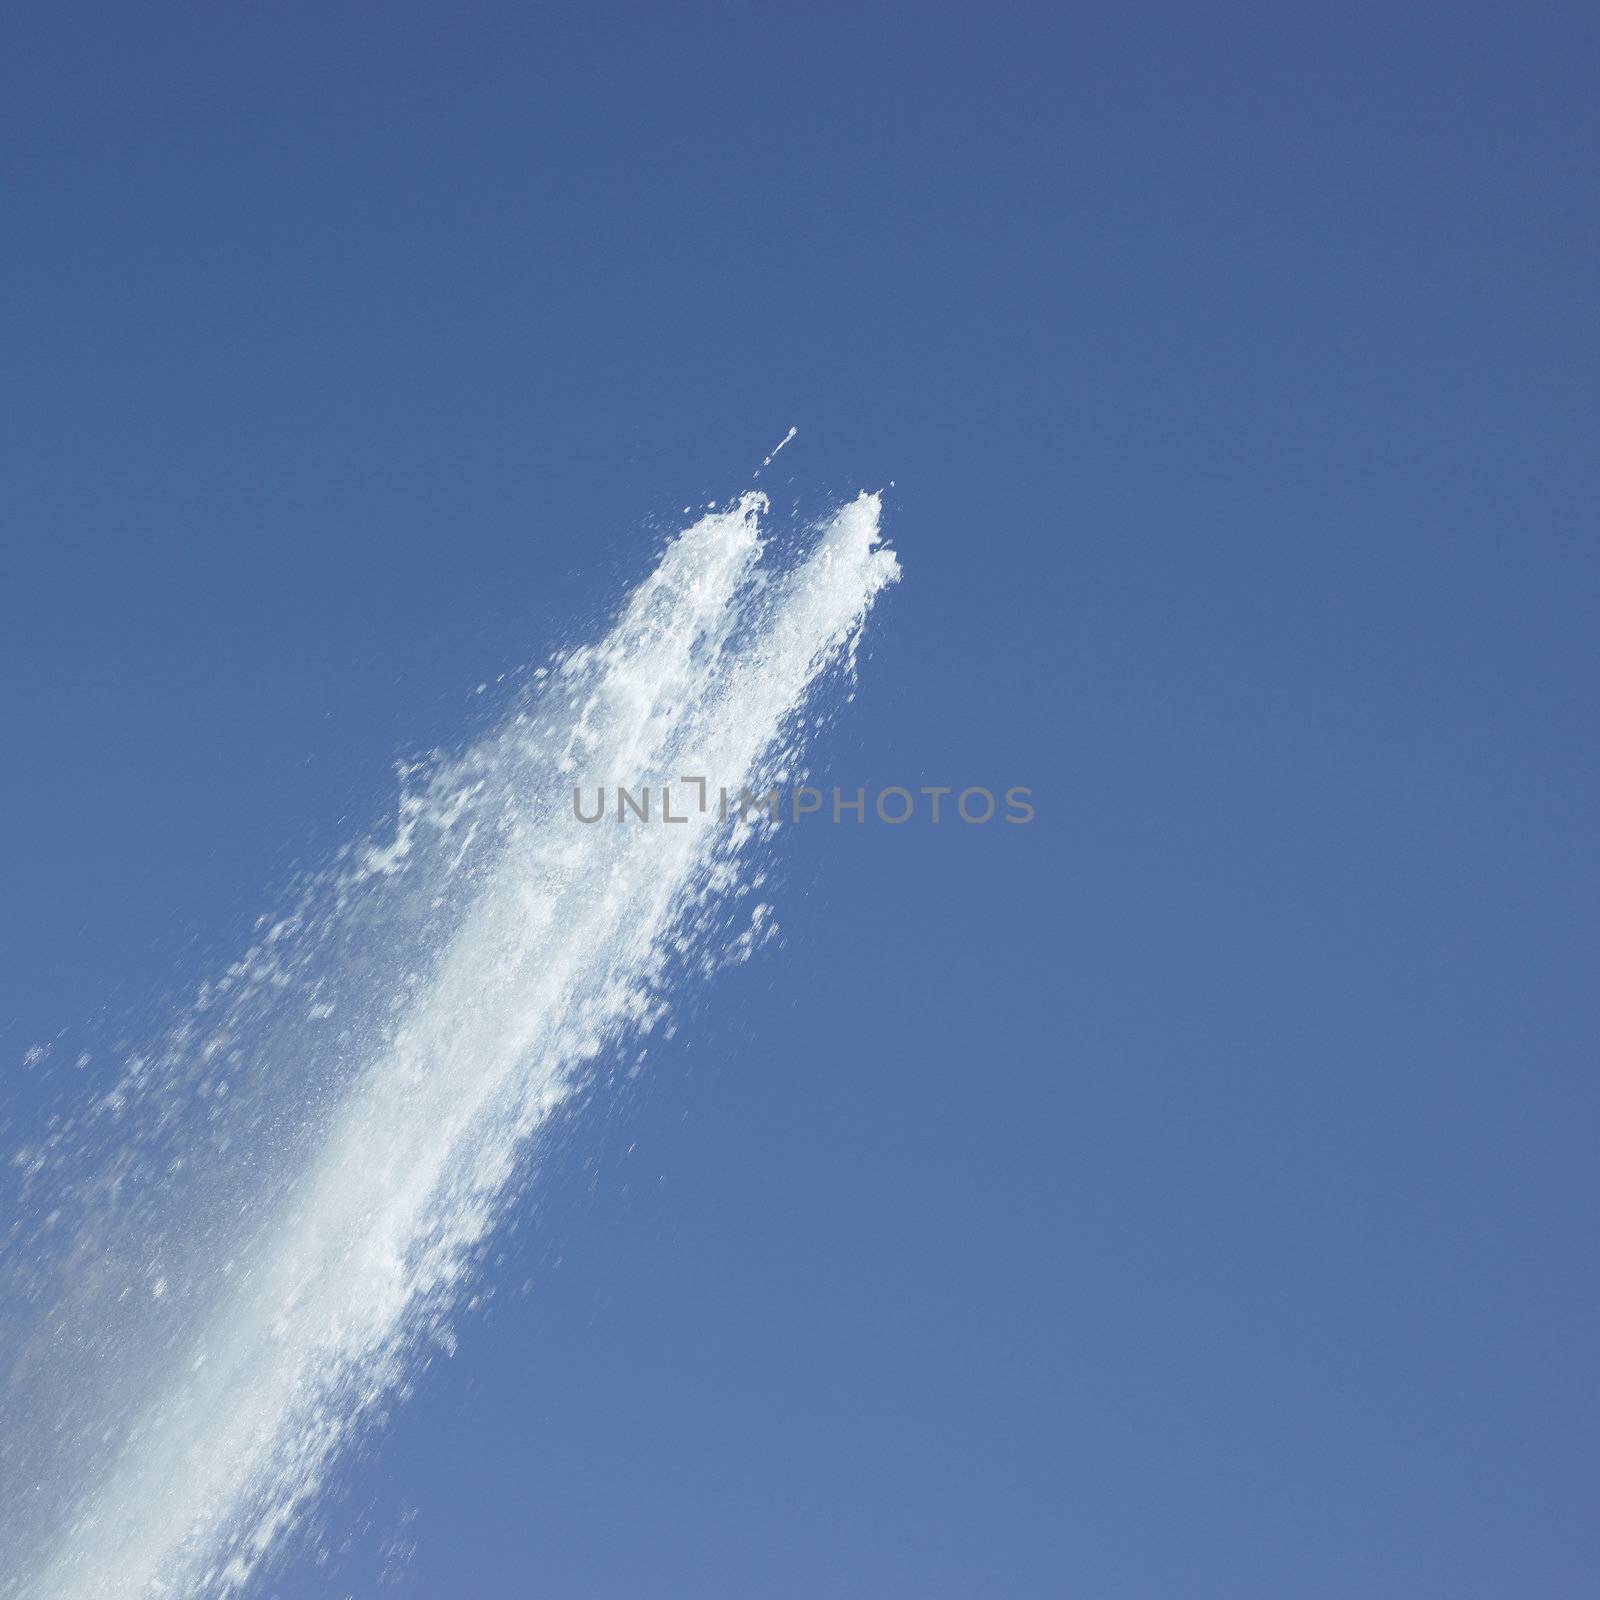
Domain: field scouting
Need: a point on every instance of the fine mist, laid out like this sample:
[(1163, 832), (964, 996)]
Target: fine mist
[(231, 1260)]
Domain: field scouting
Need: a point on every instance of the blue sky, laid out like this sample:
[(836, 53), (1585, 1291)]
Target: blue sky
[(1189, 1194)]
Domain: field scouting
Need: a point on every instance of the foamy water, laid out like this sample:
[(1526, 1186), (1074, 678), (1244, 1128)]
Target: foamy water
[(231, 1261)]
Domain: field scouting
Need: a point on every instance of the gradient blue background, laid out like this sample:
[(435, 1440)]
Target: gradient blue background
[(1189, 1195)]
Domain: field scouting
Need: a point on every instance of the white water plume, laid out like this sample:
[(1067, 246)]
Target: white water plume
[(241, 1251)]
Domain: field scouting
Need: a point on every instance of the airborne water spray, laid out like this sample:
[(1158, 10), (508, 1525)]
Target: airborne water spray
[(228, 1262)]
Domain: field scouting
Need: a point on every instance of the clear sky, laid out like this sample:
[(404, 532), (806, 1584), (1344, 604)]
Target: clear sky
[(1191, 1194)]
